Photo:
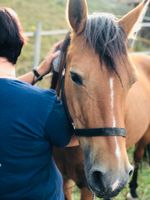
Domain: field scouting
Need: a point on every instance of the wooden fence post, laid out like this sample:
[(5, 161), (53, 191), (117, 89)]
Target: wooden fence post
[(37, 45)]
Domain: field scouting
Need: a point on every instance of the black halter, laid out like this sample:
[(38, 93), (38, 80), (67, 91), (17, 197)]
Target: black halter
[(90, 132)]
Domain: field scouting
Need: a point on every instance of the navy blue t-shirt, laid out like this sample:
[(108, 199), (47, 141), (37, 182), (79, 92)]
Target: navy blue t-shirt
[(32, 120)]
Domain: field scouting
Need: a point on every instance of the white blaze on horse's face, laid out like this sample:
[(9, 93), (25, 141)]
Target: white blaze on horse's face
[(112, 99), (98, 78), (112, 96)]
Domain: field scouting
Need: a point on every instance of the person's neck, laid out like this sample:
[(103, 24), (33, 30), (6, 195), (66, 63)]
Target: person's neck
[(7, 69)]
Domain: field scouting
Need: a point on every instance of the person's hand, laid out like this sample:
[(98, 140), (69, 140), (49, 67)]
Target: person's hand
[(45, 66), (74, 142)]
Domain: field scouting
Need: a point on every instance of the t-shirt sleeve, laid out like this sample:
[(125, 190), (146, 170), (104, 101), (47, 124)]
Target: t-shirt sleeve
[(58, 129)]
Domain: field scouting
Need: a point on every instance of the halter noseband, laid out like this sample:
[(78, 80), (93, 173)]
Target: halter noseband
[(100, 132)]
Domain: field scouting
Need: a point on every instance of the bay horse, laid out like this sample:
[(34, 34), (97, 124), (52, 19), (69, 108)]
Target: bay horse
[(100, 89)]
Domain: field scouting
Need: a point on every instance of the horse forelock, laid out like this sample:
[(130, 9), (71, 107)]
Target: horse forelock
[(107, 38)]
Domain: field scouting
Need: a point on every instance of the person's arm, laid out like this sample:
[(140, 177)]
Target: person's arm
[(58, 129), (44, 68)]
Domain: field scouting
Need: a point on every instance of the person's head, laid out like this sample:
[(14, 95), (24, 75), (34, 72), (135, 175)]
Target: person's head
[(11, 35)]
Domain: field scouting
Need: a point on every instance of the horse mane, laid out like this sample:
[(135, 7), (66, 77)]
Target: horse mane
[(107, 38)]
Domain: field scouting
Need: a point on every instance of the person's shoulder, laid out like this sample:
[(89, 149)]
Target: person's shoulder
[(34, 91)]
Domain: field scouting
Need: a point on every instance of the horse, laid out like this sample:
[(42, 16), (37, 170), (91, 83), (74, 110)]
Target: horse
[(101, 86), (75, 170)]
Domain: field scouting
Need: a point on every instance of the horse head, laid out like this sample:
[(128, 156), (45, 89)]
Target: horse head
[(99, 75)]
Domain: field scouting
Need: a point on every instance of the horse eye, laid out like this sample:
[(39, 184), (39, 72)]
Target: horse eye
[(76, 78)]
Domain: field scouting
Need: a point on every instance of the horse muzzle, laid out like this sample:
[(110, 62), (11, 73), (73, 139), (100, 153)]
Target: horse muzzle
[(107, 170), (107, 185)]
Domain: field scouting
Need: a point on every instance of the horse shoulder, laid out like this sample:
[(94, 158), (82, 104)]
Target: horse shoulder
[(142, 63), (138, 101)]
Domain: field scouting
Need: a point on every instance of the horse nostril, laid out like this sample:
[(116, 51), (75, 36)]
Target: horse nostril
[(97, 177), (131, 172), (131, 169)]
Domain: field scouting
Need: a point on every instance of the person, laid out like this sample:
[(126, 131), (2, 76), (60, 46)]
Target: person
[(32, 121)]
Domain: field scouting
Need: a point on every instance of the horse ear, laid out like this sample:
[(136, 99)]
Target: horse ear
[(130, 19), (77, 12)]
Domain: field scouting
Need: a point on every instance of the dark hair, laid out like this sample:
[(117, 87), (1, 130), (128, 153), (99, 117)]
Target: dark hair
[(11, 35)]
